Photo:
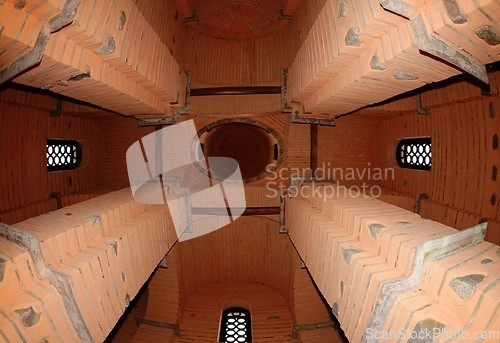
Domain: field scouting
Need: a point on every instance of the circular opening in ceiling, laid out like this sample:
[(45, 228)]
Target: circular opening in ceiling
[(253, 145), (236, 19)]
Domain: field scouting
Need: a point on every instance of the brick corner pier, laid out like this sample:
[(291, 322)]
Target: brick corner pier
[(386, 271), (69, 275)]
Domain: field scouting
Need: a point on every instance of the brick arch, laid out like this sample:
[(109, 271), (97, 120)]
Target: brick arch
[(236, 301), (271, 316)]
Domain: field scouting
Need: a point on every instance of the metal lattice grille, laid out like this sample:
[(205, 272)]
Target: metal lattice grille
[(235, 326), (415, 153), (63, 154)]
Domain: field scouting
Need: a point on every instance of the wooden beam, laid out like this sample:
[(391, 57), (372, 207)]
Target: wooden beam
[(310, 327), (173, 327), (249, 211), (244, 90)]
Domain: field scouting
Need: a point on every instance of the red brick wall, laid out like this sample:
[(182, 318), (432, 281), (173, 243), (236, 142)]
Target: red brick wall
[(249, 250), (309, 308), (25, 125), (345, 147), (120, 133), (462, 124), (229, 62)]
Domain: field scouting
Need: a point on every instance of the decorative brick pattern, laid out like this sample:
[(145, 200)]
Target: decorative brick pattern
[(367, 256), (356, 46), (24, 29), (107, 247), (98, 60)]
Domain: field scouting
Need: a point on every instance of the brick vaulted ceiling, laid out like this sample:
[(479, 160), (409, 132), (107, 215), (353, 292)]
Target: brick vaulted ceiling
[(341, 55), (237, 19)]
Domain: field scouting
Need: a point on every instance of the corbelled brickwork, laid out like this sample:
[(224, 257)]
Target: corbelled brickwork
[(358, 47), (25, 27), (370, 259), (110, 56), (135, 51), (69, 275), (78, 268)]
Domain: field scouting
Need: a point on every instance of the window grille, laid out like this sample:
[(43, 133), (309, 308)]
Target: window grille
[(63, 154), (415, 153), (235, 326)]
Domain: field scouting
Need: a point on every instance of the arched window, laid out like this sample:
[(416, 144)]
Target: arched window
[(236, 326), (415, 153), (63, 154)]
